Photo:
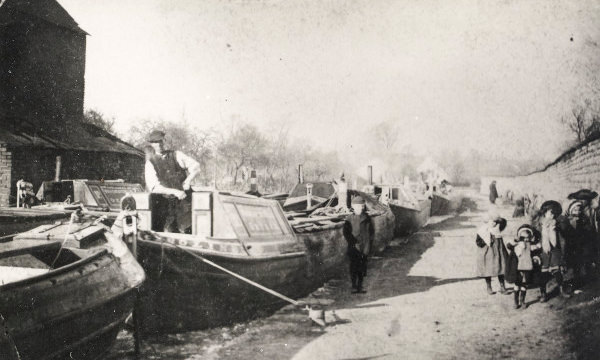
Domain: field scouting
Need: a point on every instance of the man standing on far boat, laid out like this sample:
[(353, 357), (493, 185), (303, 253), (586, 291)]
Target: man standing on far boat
[(170, 173)]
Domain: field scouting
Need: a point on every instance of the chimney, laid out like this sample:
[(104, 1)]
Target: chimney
[(253, 184), (300, 174), (309, 188), (370, 174)]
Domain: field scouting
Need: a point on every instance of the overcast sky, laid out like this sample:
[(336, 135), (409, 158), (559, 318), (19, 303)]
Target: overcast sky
[(454, 74)]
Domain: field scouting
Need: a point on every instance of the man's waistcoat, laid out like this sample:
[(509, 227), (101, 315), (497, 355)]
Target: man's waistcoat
[(168, 171)]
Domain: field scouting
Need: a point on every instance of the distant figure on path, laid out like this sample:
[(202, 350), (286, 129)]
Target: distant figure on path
[(522, 261), (491, 253), (519, 208), (493, 192), (170, 173), (358, 232)]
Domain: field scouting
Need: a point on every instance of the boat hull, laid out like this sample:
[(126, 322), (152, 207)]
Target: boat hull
[(18, 220), (182, 293), (72, 312), (13, 220), (410, 220), (440, 205), (383, 226), (325, 252)]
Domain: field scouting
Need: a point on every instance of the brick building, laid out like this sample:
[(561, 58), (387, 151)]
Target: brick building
[(42, 68)]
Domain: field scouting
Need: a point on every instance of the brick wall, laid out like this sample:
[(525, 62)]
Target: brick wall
[(38, 165), (577, 170), (5, 174)]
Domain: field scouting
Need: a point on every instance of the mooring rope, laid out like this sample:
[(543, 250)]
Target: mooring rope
[(264, 288)]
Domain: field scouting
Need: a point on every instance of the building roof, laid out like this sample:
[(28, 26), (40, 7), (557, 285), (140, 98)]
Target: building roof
[(76, 135), (47, 10)]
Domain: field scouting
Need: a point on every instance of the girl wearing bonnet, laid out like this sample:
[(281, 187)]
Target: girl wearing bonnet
[(522, 261), (491, 254), (553, 246)]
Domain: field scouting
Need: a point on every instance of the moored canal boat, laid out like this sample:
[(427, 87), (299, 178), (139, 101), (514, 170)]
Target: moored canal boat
[(58, 303), (411, 211), (382, 217), (63, 197), (247, 235), (307, 196), (440, 204)]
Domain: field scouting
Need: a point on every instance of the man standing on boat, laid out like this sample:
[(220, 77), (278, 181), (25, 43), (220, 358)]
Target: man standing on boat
[(170, 173), (358, 232)]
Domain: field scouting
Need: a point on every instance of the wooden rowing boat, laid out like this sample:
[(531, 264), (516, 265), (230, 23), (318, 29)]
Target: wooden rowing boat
[(16, 220), (71, 307)]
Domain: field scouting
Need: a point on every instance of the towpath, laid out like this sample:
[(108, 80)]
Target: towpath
[(422, 302)]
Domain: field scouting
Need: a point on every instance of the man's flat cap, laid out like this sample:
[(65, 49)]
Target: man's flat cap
[(156, 136)]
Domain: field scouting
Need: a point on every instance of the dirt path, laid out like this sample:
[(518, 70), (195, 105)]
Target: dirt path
[(422, 302)]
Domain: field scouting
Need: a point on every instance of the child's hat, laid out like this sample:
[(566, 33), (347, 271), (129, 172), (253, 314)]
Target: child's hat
[(552, 205), (573, 205), (526, 229)]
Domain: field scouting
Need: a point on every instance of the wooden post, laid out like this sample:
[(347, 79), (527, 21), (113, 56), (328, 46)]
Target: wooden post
[(309, 188), (19, 192), (342, 192), (58, 165), (135, 316)]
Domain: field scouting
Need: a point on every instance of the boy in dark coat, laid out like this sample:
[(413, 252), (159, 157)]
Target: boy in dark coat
[(358, 232)]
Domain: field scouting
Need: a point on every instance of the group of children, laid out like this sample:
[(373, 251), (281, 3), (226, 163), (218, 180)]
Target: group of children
[(551, 243)]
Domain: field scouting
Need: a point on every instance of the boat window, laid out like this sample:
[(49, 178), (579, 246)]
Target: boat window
[(395, 194), (255, 219)]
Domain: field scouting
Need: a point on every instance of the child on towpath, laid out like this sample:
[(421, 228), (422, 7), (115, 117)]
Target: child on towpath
[(522, 262)]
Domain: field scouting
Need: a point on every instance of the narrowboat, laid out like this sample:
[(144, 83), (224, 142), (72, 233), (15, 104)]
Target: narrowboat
[(61, 198), (292, 254), (59, 302), (440, 204), (308, 196), (411, 211), (244, 234)]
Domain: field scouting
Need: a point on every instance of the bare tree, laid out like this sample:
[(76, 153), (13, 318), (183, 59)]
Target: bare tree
[(245, 146), (95, 117), (386, 133), (576, 122), (583, 121)]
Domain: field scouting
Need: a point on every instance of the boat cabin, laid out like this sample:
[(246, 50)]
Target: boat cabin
[(96, 195), (234, 223), (395, 194)]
